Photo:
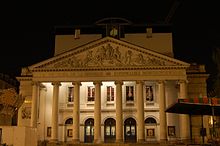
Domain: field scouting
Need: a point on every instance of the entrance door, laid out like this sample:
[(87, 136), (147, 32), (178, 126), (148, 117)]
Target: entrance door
[(89, 130), (130, 130), (109, 130)]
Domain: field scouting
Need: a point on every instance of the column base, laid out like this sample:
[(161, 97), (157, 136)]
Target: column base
[(141, 140), (163, 141), (75, 141), (97, 141), (119, 141), (184, 141), (53, 141)]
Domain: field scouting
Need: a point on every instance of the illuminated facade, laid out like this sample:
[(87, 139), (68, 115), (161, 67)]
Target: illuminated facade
[(108, 87)]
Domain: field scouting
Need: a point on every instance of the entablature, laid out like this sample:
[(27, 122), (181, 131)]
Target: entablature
[(110, 75)]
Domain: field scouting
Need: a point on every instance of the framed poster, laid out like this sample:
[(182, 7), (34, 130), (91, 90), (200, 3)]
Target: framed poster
[(48, 131), (70, 132), (171, 131), (150, 132)]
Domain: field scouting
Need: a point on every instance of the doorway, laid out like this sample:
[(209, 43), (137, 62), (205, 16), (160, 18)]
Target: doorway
[(109, 130), (89, 130), (130, 130)]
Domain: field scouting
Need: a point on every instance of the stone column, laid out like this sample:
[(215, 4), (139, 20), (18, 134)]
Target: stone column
[(140, 112), (35, 96), (76, 112), (163, 119), (119, 112), (184, 118), (97, 113), (54, 126)]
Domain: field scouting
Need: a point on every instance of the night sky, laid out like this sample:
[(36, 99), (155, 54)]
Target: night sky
[(27, 29)]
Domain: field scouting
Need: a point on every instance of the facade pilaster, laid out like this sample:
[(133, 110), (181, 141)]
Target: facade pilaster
[(76, 112), (54, 126), (119, 118), (97, 112), (163, 119), (140, 112), (184, 118), (35, 96)]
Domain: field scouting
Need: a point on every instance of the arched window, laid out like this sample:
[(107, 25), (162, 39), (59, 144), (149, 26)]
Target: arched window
[(69, 121), (150, 120)]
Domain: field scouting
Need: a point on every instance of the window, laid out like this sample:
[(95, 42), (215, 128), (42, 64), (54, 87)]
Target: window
[(110, 93), (70, 94), (149, 93), (91, 93), (129, 93), (150, 121), (69, 121)]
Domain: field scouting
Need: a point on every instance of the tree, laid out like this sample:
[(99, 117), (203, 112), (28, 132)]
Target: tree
[(10, 102)]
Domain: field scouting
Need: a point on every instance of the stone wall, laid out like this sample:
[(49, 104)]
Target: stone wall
[(18, 136)]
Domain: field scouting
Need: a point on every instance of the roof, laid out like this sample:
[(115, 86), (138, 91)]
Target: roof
[(196, 108)]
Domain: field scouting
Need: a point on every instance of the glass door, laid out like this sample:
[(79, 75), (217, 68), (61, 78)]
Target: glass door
[(130, 130), (89, 130), (110, 130)]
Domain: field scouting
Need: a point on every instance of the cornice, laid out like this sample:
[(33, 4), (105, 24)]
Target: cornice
[(24, 78), (109, 69)]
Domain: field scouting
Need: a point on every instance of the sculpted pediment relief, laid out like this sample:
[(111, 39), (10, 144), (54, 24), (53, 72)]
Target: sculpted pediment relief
[(108, 53)]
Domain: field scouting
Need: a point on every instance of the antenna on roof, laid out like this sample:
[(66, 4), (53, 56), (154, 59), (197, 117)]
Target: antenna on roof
[(172, 11)]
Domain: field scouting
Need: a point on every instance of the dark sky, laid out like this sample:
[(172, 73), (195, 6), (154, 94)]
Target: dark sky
[(27, 29)]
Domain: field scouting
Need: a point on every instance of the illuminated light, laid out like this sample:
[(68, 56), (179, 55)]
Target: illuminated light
[(77, 33), (27, 101), (211, 120), (114, 32)]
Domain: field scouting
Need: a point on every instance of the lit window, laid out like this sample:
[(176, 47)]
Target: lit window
[(110, 93), (149, 93), (70, 94), (91, 93), (129, 93)]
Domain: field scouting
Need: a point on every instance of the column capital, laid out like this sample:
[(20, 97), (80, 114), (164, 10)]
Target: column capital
[(182, 81), (56, 83), (119, 82), (161, 81), (139, 82), (76, 83), (37, 83), (97, 82)]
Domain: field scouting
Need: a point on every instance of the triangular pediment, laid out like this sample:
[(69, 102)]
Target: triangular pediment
[(108, 53)]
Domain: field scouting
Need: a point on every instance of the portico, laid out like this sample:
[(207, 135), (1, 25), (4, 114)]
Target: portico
[(118, 108)]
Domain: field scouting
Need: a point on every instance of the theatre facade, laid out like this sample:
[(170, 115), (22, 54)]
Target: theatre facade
[(109, 88)]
